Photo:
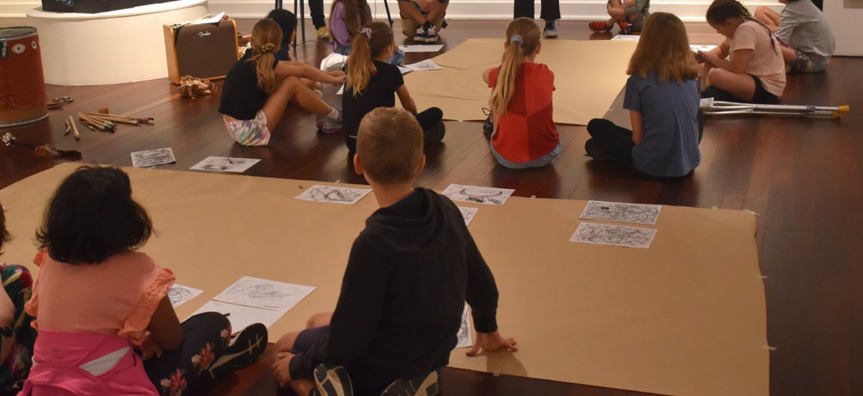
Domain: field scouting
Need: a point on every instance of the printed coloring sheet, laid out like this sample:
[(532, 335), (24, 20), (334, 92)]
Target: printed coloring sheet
[(467, 214), (421, 48), (225, 164), (621, 212), (427, 64), (264, 294), (148, 158), (179, 294), (614, 235), (340, 195), (483, 195), (464, 337)]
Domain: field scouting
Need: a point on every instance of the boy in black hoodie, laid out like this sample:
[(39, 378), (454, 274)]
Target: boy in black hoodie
[(409, 274)]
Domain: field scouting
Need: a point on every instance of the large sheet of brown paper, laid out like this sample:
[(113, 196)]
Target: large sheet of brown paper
[(684, 317), (588, 76)]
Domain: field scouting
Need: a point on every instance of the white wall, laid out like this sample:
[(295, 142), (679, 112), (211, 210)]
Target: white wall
[(688, 10), (845, 25)]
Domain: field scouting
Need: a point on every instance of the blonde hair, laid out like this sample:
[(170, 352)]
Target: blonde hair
[(266, 36), (372, 40), (524, 44), (663, 50), (357, 14), (390, 145)]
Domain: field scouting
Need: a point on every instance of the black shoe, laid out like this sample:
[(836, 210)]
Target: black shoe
[(426, 385), (487, 126), (333, 381), (244, 349), (421, 35)]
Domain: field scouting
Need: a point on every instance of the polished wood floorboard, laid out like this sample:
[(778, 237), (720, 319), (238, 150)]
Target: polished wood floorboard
[(802, 176)]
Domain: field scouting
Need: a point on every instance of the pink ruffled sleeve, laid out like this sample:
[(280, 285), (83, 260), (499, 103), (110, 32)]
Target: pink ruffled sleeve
[(135, 325), (32, 306)]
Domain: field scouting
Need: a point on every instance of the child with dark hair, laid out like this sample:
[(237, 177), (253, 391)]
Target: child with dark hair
[(805, 29), (288, 22), (754, 70), (409, 274), (97, 300), (16, 333), (371, 83)]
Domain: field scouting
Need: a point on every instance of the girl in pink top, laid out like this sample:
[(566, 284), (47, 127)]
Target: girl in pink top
[(102, 307)]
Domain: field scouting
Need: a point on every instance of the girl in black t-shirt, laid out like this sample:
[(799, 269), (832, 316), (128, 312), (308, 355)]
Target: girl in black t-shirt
[(372, 83), (258, 88)]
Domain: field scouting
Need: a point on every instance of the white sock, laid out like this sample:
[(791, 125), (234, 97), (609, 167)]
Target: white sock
[(334, 115)]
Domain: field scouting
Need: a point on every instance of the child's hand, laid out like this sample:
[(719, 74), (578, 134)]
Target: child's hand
[(338, 80), (149, 348), (282, 369), (336, 73), (491, 342), (710, 58), (699, 56)]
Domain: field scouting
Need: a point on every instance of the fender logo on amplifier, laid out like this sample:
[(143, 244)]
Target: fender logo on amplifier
[(203, 34)]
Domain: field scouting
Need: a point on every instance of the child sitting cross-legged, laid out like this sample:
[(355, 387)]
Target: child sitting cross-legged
[(408, 276)]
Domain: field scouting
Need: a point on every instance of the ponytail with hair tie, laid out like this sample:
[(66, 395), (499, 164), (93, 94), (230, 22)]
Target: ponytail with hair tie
[(367, 32), (516, 39), (525, 33), (268, 47)]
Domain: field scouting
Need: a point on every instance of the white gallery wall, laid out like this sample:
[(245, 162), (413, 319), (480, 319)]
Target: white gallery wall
[(691, 10)]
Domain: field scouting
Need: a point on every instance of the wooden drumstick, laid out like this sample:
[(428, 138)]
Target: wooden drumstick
[(74, 129)]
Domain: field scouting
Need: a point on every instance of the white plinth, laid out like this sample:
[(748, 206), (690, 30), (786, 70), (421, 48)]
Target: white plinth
[(110, 47)]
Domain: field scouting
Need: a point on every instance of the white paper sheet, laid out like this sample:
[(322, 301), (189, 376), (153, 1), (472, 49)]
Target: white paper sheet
[(614, 235), (477, 194), (340, 195), (264, 293), (427, 64), (242, 316), (421, 48), (179, 294), (702, 47), (626, 37), (465, 340), (213, 19), (404, 70), (148, 158), (467, 214), (621, 212), (225, 164)]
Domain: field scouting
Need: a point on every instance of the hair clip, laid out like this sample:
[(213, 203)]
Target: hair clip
[(367, 32), (268, 47), (516, 39)]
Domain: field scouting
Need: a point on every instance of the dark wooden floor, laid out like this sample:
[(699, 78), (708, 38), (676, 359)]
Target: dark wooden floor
[(803, 176)]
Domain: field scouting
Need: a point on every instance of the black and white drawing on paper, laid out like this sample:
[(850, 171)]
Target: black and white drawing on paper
[(464, 337), (483, 195), (225, 164), (614, 235), (467, 214), (148, 158), (341, 195), (621, 212), (179, 294), (425, 65), (264, 293)]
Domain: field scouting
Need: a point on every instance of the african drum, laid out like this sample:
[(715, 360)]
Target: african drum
[(22, 85)]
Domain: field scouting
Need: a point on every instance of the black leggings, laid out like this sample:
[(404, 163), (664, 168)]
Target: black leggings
[(431, 121), (205, 337), (316, 9), (609, 142), (550, 10)]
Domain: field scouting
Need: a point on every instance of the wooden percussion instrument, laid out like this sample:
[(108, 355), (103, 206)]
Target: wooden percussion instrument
[(22, 85)]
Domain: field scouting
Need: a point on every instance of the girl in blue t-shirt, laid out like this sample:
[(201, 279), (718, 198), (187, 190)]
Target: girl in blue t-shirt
[(662, 97)]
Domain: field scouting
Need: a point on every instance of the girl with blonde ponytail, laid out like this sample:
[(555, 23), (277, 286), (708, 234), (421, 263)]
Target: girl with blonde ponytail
[(523, 134), (258, 88), (373, 83)]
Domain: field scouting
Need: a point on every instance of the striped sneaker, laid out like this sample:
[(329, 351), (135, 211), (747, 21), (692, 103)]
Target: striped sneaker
[(333, 381)]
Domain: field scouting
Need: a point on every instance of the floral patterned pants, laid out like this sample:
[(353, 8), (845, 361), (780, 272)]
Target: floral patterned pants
[(16, 351), (205, 337)]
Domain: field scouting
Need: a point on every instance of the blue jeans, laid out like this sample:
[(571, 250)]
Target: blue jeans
[(537, 163)]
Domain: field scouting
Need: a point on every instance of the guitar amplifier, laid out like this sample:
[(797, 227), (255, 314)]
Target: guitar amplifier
[(206, 51)]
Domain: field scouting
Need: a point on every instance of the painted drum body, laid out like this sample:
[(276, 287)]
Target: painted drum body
[(22, 84)]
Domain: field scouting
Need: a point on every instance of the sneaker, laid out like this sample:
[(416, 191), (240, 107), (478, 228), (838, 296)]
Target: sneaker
[(323, 33), (431, 37), (332, 125), (333, 382), (427, 385), (244, 349), (422, 35), (599, 26), (487, 126), (625, 27), (550, 29)]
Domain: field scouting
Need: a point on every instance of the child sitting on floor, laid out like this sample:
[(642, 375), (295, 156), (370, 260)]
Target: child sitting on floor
[(97, 299), (372, 83), (16, 333), (258, 88), (663, 102), (422, 20), (629, 15), (523, 134), (288, 22), (407, 279), (805, 29), (754, 71), (347, 18)]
